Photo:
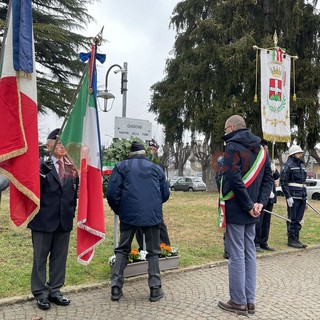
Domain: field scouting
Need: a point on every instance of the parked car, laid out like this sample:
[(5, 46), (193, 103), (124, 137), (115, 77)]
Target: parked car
[(313, 189), (189, 184), (173, 180)]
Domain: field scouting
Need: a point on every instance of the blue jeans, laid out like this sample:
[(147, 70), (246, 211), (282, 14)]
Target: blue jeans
[(242, 262)]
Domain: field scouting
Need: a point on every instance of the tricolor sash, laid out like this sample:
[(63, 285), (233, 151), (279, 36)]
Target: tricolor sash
[(247, 179)]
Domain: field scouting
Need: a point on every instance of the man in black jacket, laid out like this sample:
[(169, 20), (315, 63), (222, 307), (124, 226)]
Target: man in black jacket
[(52, 225), (246, 186), (263, 225)]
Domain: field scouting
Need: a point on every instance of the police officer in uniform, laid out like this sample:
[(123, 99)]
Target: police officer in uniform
[(292, 179)]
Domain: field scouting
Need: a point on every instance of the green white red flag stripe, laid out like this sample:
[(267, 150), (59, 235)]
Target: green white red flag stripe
[(108, 167), (82, 140)]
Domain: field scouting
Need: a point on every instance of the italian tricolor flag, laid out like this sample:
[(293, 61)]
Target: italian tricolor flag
[(108, 167), (82, 141)]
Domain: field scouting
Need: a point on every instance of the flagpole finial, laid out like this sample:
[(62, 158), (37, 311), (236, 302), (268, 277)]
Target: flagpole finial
[(275, 38), (98, 38)]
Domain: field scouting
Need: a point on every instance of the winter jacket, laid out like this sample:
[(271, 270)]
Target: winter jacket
[(136, 191), (242, 148), (293, 178), (57, 201)]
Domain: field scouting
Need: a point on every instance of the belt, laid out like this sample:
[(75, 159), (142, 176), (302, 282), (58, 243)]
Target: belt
[(298, 185)]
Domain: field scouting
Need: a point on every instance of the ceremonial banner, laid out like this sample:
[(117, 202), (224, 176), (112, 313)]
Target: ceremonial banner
[(19, 152), (275, 94), (81, 138)]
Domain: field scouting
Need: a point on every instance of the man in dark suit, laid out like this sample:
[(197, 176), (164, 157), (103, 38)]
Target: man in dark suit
[(51, 226)]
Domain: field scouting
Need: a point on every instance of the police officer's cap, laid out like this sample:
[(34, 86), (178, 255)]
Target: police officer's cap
[(295, 149)]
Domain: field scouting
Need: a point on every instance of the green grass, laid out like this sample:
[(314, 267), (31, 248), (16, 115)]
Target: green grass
[(191, 219)]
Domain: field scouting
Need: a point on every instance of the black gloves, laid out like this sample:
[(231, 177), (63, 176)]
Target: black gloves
[(46, 166)]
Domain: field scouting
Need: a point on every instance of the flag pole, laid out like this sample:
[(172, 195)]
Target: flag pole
[(98, 41)]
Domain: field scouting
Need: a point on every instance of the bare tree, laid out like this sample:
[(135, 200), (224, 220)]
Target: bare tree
[(180, 153), (202, 152)]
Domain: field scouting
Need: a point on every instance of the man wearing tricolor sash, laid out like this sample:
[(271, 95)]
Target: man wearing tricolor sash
[(245, 189)]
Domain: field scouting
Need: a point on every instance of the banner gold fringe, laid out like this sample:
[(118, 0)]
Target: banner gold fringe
[(270, 137)]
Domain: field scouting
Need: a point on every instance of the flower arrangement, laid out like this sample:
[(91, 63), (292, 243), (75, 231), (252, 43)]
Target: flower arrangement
[(136, 255), (168, 251)]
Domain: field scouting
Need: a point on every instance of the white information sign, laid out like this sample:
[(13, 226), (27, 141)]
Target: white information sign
[(125, 128)]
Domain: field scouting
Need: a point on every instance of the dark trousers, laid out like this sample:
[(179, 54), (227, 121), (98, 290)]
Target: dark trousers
[(263, 227), (164, 236), (55, 245), (295, 214), (127, 233)]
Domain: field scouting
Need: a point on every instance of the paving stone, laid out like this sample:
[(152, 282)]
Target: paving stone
[(287, 288)]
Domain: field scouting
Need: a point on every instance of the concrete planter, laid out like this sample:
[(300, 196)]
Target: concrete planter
[(141, 267)]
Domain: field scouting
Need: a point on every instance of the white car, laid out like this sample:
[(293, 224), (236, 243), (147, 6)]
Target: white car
[(189, 184), (313, 189)]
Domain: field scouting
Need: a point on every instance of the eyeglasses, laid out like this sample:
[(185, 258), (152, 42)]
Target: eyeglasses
[(226, 128)]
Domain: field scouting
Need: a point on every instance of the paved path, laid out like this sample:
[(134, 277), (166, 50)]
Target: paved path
[(288, 287)]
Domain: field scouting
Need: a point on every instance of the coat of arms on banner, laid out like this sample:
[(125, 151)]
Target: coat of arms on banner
[(277, 81)]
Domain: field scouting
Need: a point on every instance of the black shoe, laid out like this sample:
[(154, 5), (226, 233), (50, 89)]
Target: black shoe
[(295, 244), (302, 244), (232, 307), (60, 300), (116, 293), (266, 247), (251, 308), (43, 304), (156, 294), (258, 249)]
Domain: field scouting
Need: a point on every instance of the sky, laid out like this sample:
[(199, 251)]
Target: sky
[(137, 32)]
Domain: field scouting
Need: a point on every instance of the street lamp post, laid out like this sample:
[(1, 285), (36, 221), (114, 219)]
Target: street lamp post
[(124, 87), (107, 95)]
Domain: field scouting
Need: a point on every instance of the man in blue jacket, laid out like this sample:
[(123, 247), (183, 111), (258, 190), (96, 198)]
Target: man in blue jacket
[(246, 186), (136, 191)]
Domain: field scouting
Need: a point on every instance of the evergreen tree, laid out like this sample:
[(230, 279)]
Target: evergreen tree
[(57, 25), (213, 72)]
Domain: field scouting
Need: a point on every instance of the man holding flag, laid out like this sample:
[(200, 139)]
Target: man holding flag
[(52, 225)]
